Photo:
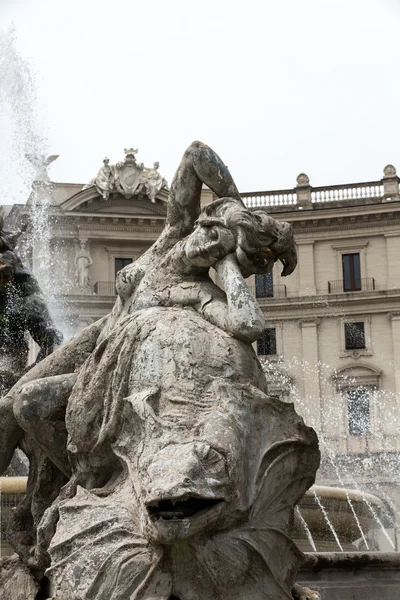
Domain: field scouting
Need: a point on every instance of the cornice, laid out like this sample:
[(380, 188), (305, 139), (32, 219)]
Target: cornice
[(331, 306), (341, 225), (349, 244)]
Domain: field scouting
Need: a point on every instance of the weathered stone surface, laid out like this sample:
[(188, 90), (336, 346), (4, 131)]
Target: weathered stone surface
[(16, 580), (182, 474), (353, 576), (211, 469)]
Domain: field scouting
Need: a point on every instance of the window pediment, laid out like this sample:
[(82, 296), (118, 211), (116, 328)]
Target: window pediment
[(357, 375)]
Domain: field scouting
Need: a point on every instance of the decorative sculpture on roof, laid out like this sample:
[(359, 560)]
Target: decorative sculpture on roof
[(128, 174), (181, 472), (128, 178), (153, 182), (41, 162)]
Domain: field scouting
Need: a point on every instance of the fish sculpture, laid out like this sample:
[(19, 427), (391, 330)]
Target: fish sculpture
[(182, 472)]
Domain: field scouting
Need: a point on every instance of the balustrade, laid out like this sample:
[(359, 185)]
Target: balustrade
[(367, 284), (277, 291), (315, 195), (104, 288)]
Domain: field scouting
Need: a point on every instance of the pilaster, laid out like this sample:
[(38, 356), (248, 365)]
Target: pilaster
[(395, 319), (393, 259), (305, 249), (312, 393)]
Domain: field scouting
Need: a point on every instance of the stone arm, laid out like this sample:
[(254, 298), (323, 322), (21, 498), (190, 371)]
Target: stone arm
[(199, 165), (37, 317)]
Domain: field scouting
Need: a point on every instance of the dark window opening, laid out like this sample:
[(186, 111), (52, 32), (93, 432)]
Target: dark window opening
[(351, 272), (265, 286), (354, 336), (266, 344), (120, 263), (359, 411)]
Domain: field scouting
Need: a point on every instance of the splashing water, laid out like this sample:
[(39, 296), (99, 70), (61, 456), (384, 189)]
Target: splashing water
[(331, 457), (20, 127), (331, 426), (22, 135), (331, 527)]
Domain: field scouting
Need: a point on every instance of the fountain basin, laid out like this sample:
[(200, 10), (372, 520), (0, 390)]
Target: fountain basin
[(354, 519), (322, 509), (355, 575)]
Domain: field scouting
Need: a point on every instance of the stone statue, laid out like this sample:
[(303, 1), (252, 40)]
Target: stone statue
[(83, 261), (41, 162), (22, 309), (180, 473), (128, 178), (104, 180), (153, 182)]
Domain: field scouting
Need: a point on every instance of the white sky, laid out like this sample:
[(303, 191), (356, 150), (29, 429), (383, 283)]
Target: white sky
[(276, 87)]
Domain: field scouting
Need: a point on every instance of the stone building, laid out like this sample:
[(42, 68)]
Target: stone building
[(333, 327), (333, 337)]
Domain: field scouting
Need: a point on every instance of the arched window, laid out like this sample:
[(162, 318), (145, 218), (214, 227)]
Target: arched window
[(357, 383)]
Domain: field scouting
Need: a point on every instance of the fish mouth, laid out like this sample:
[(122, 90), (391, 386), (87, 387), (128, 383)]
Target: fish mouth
[(183, 508)]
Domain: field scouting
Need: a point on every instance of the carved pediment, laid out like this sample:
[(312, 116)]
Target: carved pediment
[(89, 200)]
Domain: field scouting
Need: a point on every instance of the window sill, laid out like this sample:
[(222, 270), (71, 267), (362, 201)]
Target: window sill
[(356, 353)]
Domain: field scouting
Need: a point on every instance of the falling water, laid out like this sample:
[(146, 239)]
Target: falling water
[(306, 529), (344, 474), (331, 458), (331, 527), (19, 121), (22, 137)]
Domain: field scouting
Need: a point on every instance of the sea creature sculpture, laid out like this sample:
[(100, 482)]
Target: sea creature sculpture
[(182, 473)]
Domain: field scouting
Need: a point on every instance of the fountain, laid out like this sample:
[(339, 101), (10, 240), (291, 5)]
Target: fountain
[(174, 477), (156, 537)]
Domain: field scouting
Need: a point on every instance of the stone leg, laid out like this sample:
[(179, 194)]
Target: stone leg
[(10, 433), (40, 411)]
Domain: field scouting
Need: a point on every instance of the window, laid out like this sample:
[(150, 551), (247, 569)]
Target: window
[(354, 336), (266, 344), (351, 272), (265, 286), (358, 410), (120, 263)]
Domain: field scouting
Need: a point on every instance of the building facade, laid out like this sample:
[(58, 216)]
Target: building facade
[(332, 343)]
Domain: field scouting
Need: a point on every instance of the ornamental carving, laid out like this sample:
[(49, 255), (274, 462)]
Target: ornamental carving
[(389, 171), (303, 179), (128, 178)]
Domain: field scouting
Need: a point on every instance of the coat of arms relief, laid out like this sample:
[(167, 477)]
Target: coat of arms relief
[(128, 178)]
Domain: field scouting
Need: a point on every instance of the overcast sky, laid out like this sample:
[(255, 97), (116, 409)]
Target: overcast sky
[(275, 86)]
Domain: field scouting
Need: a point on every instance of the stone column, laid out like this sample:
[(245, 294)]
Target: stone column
[(395, 318), (312, 394), (393, 253), (305, 249)]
